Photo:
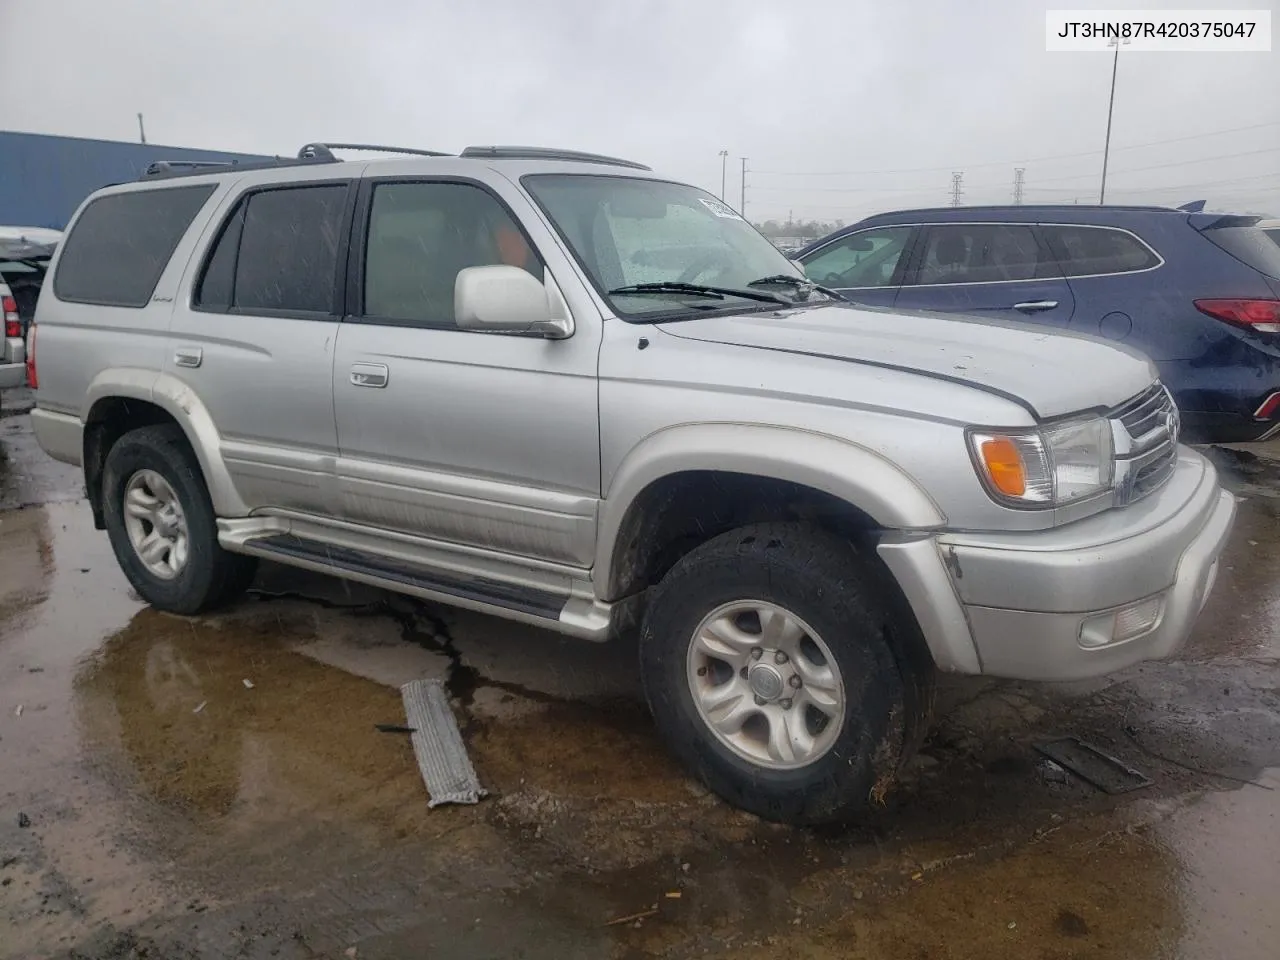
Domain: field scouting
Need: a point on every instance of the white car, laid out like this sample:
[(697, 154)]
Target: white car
[(24, 257)]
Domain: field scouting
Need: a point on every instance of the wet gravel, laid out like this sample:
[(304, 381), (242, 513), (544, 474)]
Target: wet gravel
[(153, 805)]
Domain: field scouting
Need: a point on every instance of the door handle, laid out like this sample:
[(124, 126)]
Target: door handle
[(188, 357), (1035, 306), (369, 374)]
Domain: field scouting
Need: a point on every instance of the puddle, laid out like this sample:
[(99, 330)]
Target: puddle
[(1228, 845), (1094, 888), (296, 749)]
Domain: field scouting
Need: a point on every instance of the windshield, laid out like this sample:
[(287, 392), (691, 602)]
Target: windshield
[(627, 231)]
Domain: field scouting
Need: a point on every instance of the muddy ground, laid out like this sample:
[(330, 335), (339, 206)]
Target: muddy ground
[(275, 821)]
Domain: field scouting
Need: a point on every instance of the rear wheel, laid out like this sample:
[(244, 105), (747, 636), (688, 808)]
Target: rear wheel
[(773, 666), (162, 525)]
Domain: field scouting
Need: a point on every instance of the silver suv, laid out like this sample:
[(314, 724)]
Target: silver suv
[(559, 388)]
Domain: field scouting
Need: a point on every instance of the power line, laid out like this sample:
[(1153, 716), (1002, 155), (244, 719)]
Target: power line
[(1165, 166), (1203, 184), (1060, 179), (1005, 163)]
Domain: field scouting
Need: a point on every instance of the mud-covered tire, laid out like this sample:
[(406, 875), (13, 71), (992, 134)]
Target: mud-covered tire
[(848, 600), (210, 576)]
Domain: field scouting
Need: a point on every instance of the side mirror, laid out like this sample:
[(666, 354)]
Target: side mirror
[(503, 299)]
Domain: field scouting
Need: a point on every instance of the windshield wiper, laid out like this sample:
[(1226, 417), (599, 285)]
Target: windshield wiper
[(802, 286), (699, 290)]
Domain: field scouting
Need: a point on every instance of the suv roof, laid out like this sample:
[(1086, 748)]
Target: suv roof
[(322, 153), (1062, 212)]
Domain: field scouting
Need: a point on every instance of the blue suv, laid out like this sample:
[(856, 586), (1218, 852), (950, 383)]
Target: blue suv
[(1198, 293)]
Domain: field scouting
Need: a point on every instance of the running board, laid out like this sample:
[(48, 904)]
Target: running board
[(526, 603)]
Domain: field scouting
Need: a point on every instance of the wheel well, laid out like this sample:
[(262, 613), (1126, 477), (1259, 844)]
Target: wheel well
[(109, 419), (677, 513)]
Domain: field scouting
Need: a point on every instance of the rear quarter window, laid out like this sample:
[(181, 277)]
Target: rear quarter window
[(1250, 245), (1086, 251), (120, 244)]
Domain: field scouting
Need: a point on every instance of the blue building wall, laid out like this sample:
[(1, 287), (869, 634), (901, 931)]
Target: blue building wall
[(44, 179)]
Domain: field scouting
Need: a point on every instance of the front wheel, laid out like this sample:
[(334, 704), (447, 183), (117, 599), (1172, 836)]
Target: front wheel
[(162, 525), (771, 665)]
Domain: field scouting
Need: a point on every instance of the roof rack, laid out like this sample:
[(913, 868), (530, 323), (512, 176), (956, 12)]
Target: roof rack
[(164, 169), (548, 153), (323, 153), (317, 151)]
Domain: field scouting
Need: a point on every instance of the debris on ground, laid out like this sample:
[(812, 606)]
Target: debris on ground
[(633, 917), (392, 728), (1052, 772), (17, 712), (203, 704), (1093, 766), (437, 744), (248, 684), (23, 820)]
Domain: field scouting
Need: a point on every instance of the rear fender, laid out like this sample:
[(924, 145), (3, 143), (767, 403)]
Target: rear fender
[(180, 402)]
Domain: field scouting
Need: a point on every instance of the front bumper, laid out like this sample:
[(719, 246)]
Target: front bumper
[(1044, 605)]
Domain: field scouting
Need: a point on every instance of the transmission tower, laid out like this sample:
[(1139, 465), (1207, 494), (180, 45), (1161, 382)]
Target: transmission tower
[(957, 188), (1019, 174)]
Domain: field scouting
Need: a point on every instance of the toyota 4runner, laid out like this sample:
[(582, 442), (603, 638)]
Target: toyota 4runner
[(558, 388)]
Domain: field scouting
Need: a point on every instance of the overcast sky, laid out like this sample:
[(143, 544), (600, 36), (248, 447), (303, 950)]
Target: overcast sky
[(843, 107)]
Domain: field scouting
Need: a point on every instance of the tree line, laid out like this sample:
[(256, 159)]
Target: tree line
[(798, 228)]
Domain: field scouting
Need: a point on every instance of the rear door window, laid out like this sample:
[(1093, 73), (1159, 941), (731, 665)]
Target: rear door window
[(277, 252), (868, 258), (1088, 251), (120, 244), (980, 253), (289, 250)]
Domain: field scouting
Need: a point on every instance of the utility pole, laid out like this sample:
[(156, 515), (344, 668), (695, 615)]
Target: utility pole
[(1018, 175), (142, 132), (1111, 105), (742, 207), (957, 187), (724, 168)]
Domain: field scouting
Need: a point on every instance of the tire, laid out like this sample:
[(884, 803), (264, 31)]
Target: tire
[(833, 593), (207, 576)]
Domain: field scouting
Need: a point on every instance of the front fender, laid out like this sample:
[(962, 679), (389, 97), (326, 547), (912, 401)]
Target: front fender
[(181, 402), (853, 473)]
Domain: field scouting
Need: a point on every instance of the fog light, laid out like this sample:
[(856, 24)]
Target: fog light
[(1136, 620), (1124, 624)]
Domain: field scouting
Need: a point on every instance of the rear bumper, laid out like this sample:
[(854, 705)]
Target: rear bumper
[(12, 375), (1044, 606), (59, 435)]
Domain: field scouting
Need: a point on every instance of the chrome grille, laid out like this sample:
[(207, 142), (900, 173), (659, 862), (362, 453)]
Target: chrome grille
[(1145, 430)]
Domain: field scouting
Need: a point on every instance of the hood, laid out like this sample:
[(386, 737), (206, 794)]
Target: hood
[(1049, 372)]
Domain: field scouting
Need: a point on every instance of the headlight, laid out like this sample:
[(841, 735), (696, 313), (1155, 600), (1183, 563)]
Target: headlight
[(1046, 467)]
